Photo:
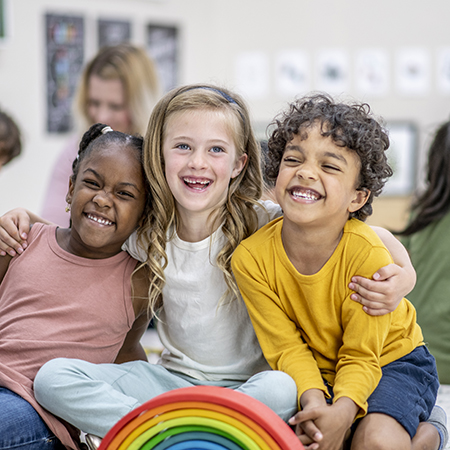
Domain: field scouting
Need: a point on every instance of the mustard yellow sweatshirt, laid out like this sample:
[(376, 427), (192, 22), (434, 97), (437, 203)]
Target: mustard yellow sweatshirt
[(308, 326)]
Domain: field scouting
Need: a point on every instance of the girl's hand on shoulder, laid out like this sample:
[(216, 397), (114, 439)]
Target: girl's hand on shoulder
[(384, 292), (14, 228)]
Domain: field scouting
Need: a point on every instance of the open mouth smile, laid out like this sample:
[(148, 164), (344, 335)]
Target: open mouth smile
[(196, 184), (99, 220), (305, 194)]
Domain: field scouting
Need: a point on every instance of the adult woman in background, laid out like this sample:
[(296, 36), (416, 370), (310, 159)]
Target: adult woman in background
[(118, 87), (427, 238)]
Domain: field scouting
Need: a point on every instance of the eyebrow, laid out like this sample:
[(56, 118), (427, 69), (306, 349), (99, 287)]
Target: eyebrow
[(297, 148), (121, 184), (188, 138)]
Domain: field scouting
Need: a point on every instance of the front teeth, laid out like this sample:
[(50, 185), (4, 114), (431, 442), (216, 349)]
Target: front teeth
[(188, 180), (196, 184), (307, 195), (99, 220)]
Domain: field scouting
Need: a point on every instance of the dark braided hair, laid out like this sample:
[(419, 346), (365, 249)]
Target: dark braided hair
[(100, 136), (348, 125), (434, 202)]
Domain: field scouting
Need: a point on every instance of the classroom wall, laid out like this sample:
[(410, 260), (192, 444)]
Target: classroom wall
[(238, 44)]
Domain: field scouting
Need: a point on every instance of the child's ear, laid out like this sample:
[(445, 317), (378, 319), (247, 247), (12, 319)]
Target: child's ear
[(70, 191), (240, 164), (361, 197)]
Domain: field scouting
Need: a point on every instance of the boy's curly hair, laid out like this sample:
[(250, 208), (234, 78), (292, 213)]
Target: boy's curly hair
[(349, 125)]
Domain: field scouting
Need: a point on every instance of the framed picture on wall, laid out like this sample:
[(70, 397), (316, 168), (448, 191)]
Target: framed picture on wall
[(163, 46), (402, 158), (113, 32), (65, 52)]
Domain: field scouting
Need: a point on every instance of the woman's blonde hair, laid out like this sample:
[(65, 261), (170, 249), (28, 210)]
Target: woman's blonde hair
[(137, 73), (237, 214)]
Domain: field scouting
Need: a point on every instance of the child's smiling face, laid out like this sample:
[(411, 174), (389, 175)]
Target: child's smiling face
[(317, 181), (107, 201), (200, 159)]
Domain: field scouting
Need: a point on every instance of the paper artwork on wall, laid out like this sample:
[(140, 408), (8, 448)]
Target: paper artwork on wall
[(443, 70), (65, 53), (113, 32), (413, 71), (163, 46), (372, 72), (252, 74), (332, 71), (292, 69)]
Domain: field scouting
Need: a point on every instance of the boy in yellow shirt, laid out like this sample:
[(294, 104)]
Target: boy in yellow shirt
[(329, 162)]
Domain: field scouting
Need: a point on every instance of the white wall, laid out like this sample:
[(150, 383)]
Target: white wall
[(214, 33)]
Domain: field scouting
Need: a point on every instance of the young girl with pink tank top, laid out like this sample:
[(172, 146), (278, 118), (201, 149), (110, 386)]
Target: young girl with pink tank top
[(70, 294)]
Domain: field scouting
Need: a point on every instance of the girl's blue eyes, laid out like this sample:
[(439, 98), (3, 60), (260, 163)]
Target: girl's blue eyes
[(213, 149)]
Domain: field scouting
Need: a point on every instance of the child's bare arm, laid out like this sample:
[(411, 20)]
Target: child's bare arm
[(14, 228), (390, 284), (4, 264), (132, 349)]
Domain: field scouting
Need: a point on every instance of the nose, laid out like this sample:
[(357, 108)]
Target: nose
[(102, 199), (306, 171), (197, 160)]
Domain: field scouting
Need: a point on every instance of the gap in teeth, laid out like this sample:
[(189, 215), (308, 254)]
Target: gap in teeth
[(187, 180)]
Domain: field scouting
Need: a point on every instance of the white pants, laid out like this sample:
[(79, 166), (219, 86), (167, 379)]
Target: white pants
[(93, 397)]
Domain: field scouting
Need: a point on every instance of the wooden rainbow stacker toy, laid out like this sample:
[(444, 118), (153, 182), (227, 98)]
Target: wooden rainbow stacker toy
[(201, 418)]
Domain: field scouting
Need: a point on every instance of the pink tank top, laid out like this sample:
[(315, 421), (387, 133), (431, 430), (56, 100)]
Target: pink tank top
[(55, 304)]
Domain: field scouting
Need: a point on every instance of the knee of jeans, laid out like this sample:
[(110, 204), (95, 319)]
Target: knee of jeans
[(49, 374), (284, 386)]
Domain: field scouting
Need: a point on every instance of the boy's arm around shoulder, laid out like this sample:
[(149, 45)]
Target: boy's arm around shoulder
[(381, 292), (132, 349), (278, 334)]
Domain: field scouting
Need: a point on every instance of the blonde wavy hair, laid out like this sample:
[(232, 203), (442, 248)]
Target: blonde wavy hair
[(137, 73), (237, 215)]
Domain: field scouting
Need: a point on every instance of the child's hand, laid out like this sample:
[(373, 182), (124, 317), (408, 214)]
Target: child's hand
[(324, 427), (14, 228), (383, 293), (306, 429)]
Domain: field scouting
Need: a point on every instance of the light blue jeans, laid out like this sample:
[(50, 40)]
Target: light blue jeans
[(93, 397), (21, 427)]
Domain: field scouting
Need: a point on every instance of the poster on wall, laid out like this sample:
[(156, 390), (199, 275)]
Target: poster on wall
[(113, 32), (163, 46), (413, 71), (252, 74), (372, 72), (332, 71), (65, 53), (292, 72)]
